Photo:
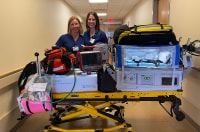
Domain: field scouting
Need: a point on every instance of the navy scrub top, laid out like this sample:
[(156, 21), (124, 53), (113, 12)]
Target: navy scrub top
[(67, 41), (99, 36)]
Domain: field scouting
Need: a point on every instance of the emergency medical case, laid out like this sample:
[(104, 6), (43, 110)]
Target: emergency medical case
[(148, 68), (149, 79), (150, 34)]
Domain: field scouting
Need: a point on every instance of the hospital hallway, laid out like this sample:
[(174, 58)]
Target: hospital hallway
[(143, 116)]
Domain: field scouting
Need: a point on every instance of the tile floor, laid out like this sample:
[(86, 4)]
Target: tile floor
[(143, 116)]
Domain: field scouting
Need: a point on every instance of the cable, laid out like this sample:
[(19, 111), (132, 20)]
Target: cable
[(67, 95)]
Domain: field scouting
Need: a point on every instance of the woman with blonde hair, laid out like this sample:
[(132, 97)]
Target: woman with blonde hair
[(73, 39)]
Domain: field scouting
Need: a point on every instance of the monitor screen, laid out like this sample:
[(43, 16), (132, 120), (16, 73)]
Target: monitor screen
[(90, 60)]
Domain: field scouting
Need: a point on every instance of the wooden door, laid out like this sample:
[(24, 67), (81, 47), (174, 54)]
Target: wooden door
[(163, 11)]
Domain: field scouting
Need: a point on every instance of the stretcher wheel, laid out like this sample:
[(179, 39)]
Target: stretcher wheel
[(120, 112), (180, 116)]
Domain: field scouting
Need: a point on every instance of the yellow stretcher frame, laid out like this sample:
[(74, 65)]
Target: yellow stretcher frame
[(130, 95), (86, 105)]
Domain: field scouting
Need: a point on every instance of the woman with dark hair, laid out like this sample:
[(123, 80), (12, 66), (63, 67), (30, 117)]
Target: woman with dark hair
[(93, 34)]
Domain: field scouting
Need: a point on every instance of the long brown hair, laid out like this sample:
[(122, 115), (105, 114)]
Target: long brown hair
[(97, 26), (70, 20)]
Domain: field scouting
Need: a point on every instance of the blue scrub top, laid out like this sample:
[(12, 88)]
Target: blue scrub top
[(67, 41), (99, 36)]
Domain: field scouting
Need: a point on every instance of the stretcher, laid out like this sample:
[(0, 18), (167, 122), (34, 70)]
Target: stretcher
[(95, 104), (79, 105)]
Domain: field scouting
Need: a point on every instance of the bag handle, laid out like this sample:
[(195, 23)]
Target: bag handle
[(56, 50), (135, 27)]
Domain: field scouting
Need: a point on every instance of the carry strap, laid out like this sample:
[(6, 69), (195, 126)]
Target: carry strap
[(50, 67), (44, 107), (161, 25), (29, 110)]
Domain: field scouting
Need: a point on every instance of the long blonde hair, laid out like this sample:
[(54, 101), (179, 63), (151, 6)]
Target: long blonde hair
[(70, 20)]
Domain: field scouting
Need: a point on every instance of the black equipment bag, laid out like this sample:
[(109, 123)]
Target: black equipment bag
[(28, 70), (106, 82), (151, 34), (118, 31)]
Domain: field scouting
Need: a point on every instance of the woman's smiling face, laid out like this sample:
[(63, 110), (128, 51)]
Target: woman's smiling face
[(74, 26), (91, 21)]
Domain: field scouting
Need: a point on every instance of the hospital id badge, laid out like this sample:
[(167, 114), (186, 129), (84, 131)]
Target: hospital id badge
[(75, 48), (92, 40)]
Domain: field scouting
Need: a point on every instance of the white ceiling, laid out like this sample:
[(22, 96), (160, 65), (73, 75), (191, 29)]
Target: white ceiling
[(116, 9)]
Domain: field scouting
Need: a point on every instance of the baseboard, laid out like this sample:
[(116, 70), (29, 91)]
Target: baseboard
[(192, 122), (9, 120), (191, 113), (19, 124)]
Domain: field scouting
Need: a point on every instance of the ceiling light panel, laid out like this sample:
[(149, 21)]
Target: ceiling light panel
[(98, 1), (102, 14)]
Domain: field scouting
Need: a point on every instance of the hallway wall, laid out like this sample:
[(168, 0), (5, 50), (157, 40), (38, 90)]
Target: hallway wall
[(142, 13), (184, 17), (30, 26), (26, 26)]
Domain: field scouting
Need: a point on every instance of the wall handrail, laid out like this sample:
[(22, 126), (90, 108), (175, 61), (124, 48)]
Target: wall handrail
[(9, 78), (10, 73)]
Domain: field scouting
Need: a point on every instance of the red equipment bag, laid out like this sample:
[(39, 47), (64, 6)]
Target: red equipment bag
[(58, 61)]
